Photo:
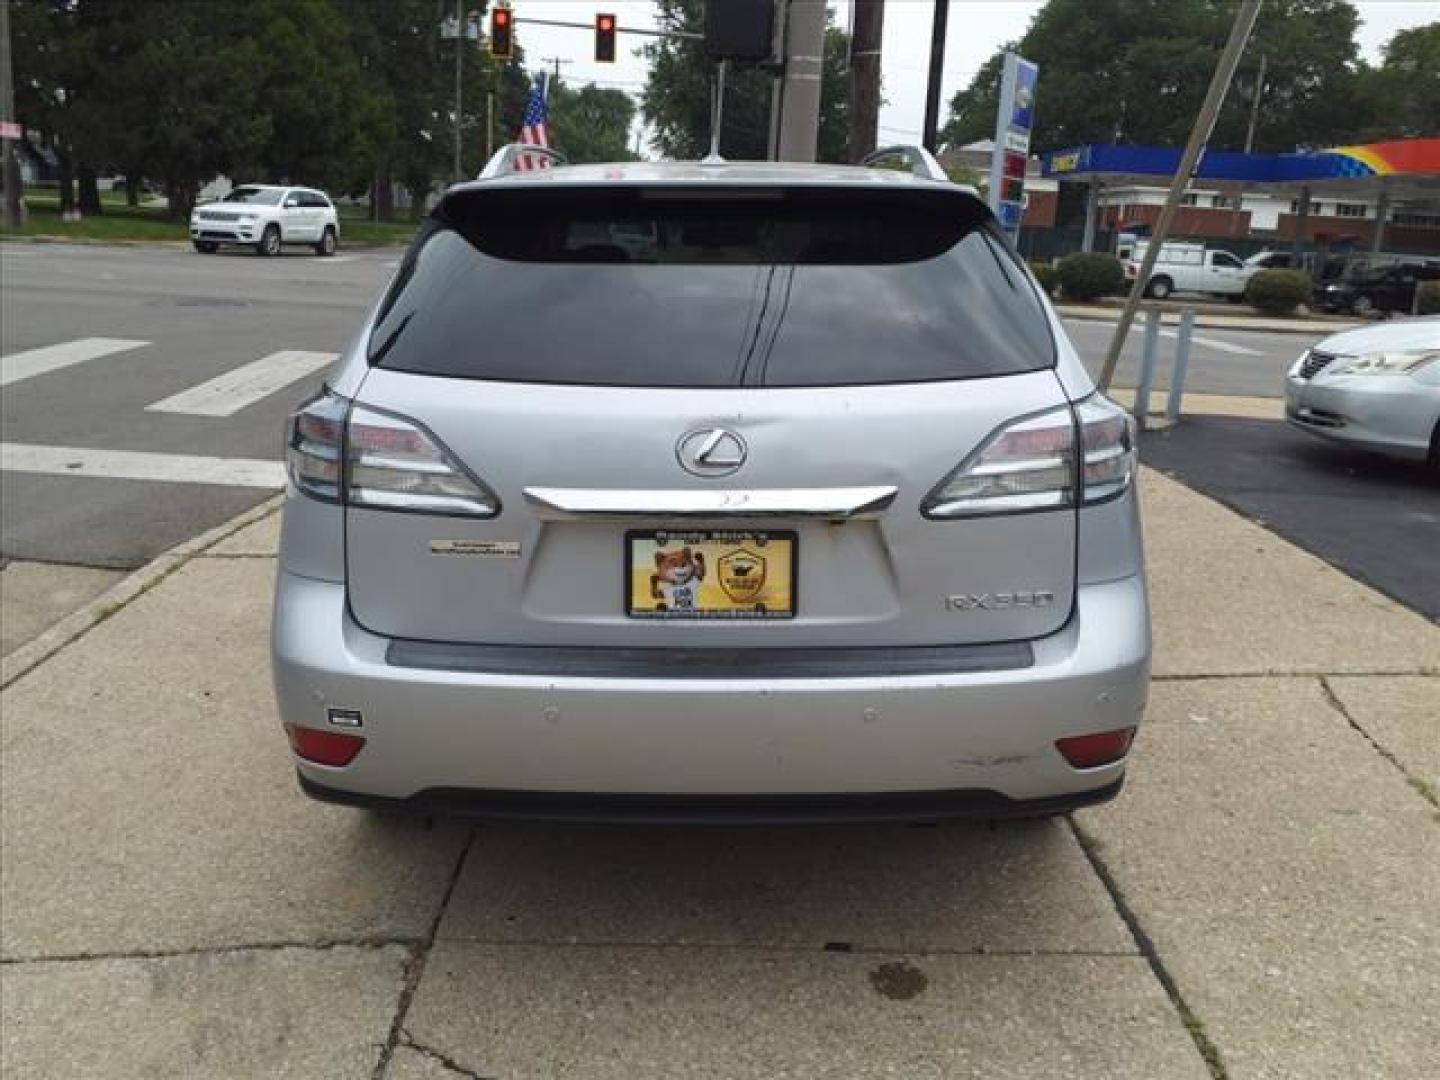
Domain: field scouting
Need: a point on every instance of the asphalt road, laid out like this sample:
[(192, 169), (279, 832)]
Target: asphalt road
[(1375, 518), (1238, 363), (171, 322), (178, 320)]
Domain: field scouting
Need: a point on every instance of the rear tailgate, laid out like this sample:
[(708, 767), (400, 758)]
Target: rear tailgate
[(533, 575), (854, 348)]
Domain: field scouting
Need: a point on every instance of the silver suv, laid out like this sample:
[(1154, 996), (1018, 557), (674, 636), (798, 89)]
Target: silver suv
[(736, 492)]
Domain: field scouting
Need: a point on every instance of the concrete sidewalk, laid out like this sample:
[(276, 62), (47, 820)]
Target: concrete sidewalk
[(1259, 902)]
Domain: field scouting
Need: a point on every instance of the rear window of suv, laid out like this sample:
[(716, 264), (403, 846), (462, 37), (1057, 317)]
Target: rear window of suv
[(721, 287)]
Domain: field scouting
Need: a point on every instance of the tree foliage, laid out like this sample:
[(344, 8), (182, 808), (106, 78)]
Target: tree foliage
[(1136, 71), (591, 123), (677, 95), (350, 95)]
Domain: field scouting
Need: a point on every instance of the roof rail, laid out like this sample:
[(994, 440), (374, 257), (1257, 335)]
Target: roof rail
[(922, 163), (507, 158)]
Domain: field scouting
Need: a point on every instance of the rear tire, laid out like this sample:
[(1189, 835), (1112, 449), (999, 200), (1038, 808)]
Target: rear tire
[(206, 247), (269, 245), (1159, 288), (327, 245)]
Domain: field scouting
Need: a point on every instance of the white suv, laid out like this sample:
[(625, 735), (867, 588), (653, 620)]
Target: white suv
[(266, 217)]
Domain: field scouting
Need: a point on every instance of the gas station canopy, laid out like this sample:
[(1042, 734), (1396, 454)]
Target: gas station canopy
[(1402, 169)]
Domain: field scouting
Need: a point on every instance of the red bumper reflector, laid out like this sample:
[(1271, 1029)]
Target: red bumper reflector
[(1092, 751), (334, 748)]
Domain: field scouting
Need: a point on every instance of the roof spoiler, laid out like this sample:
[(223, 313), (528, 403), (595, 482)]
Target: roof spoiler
[(921, 162), (507, 159)]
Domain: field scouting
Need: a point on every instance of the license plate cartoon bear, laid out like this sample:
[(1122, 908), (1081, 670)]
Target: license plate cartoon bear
[(677, 578)]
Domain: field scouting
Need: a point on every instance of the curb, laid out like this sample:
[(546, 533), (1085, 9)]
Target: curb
[(1209, 323), (75, 625)]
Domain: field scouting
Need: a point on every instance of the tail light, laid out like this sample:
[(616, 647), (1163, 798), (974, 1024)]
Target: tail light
[(1092, 751), (346, 453), (1035, 463), (334, 748)]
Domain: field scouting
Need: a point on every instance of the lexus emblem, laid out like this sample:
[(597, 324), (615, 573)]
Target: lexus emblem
[(710, 452)]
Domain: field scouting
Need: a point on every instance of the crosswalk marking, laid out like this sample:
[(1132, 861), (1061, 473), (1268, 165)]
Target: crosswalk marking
[(227, 394), (32, 362), (140, 465)]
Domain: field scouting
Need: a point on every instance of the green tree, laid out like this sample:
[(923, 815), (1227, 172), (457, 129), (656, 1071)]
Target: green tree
[(677, 95), (1403, 93), (1135, 71), (591, 123)]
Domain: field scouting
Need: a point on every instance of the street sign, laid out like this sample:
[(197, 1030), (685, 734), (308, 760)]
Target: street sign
[(1014, 121)]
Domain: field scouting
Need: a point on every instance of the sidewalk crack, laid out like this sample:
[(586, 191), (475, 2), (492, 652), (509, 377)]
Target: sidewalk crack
[(443, 1060), (415, 966), (1420, 787), (1208, 1051)]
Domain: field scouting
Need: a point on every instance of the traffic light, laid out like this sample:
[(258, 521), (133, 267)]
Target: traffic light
[(502, 38), (605, 39)]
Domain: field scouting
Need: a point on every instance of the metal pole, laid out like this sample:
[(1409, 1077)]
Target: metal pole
[(1255, 105), (1148, 352), (1382, 211), (777, 80), (868, 17), (489, 124), (937, 70), (717, 111), (1182, 361), (1092, 214), (9, 148), (1302, 217), (1199, 135), (805, 48), (459, 55)]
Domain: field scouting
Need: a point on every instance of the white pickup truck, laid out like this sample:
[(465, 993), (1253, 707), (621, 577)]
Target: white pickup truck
[(1184, 267)]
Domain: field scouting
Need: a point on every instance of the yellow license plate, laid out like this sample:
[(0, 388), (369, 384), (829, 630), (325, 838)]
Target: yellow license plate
[(710, 574)]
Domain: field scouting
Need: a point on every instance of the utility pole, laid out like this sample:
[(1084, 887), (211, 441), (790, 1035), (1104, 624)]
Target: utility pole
[(868, 17), (459, 57), (1255, 105), (556, 61), (14, 212), (1199, 136), (804, 61), (937, 71)]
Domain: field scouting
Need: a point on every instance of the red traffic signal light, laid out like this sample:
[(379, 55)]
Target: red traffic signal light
[(502, 38), (605, 29)]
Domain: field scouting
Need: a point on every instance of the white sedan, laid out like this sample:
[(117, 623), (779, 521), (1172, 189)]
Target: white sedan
[(1377, 388), (267, 217)]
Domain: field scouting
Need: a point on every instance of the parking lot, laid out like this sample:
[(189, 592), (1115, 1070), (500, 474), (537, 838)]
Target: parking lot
[(1258, 902)]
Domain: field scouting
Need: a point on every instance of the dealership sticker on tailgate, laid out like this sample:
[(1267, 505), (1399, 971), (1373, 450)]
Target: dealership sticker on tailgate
[(710, 574)]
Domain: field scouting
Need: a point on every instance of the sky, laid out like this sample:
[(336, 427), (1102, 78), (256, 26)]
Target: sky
[(976, 29)]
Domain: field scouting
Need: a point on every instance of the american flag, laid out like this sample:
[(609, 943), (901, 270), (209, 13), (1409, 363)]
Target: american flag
[(534, 129)]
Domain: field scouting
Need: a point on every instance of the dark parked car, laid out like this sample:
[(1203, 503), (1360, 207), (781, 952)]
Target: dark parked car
[(1381, 289)]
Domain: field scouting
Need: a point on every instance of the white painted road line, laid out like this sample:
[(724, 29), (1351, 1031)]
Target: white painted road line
[(1208, 342), (227, 394), (32, 362), (137, 465)]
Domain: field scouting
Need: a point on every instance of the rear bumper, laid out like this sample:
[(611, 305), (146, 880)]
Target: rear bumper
[(673, 746), (610, 809)]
